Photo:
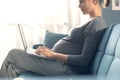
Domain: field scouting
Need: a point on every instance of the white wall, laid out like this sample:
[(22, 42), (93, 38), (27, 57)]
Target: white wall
[(10, 38)]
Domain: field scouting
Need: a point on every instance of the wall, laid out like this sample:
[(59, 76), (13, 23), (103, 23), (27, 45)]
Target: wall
[(7, 40), (111, 16)]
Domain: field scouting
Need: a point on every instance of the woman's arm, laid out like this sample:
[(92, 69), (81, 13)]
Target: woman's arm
[(90, 46), (49, 53)]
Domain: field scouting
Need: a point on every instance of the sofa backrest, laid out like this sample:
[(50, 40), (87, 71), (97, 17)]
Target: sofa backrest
[(107, 60), (101, 50), (110, 64)]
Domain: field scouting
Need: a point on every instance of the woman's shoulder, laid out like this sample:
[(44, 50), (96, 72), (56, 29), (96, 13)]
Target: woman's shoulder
[(98, 22), (95, 24), (95, 21), (92, 25), (98, 19)]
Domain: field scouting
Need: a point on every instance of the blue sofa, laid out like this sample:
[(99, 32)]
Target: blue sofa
[(105, 66)]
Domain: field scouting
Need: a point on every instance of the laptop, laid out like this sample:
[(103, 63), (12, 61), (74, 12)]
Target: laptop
[(26, 48)]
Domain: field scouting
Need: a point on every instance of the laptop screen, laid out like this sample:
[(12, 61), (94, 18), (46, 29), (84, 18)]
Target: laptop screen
[(20, 28)]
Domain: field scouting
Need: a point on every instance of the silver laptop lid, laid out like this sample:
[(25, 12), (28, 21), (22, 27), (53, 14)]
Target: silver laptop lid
[(20, 28)]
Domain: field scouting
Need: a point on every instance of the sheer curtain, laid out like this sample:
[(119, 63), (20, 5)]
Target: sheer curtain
[(36, 16)]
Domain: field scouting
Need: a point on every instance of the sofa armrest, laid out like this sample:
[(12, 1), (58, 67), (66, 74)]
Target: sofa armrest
[(37, 45)]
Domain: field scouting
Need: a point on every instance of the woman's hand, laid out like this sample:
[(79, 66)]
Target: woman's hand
[(49, 53), (42, 50)]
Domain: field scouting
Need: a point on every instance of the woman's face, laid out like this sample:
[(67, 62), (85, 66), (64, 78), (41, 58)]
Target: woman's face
[(86, 6)]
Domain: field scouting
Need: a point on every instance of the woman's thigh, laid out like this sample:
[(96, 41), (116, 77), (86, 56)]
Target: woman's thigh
[(40, 65)]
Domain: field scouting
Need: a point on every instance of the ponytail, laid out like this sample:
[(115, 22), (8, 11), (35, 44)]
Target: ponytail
[(106, 3)]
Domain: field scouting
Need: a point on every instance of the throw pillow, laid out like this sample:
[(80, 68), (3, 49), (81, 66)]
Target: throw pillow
[(51, 38)]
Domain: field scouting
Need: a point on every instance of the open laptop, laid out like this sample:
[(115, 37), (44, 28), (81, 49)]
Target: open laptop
[(26, 48)]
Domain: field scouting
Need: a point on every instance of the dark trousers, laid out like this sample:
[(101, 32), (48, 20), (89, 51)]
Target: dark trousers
[(18, 62)]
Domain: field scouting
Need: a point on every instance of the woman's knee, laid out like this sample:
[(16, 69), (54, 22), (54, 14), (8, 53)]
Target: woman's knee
[(14, 52)]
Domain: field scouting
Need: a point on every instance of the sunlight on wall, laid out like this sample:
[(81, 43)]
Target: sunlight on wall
[(7, 40), (56, 15), (27, 11)]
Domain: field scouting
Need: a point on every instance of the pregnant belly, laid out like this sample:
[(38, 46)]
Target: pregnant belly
[(67, 47)]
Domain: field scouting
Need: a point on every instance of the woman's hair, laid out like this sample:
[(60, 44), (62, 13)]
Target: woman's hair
[(106, 3)]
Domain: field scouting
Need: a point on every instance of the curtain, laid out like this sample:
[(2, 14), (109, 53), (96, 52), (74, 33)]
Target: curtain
[(37, 16)]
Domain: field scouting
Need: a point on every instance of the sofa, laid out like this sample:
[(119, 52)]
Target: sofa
[(105, 65)]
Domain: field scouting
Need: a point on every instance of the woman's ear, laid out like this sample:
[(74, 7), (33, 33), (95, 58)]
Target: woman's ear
[(95, 1)]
